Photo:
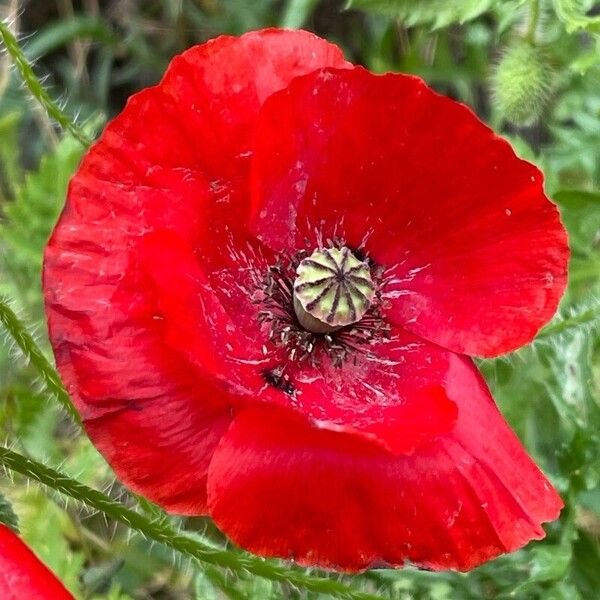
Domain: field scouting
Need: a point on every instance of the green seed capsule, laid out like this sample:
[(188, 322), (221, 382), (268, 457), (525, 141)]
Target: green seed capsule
[(333, 289)]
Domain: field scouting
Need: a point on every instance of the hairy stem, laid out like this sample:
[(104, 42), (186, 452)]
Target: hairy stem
[(36, 88), (33, 352), (534, 15), (162, 532), (577, 319)]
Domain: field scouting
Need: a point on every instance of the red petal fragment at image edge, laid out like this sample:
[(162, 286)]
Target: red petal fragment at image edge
[(22, 575)]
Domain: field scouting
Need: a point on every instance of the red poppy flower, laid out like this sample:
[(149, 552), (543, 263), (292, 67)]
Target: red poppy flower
[(23, 575), (263, 290)]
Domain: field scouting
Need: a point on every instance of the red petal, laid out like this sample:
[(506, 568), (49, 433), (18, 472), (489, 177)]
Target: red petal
[(198, 124), (162, 451), (399, 392), (195, 322), (141, 402), (175, 159), (379, 392), (23, 575), (476, 252), (280, 487)]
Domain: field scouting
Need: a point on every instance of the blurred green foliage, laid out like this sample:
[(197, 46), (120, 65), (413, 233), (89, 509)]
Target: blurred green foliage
[(92, 55)]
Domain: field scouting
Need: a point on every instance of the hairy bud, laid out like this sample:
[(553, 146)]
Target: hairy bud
[(522, 83)]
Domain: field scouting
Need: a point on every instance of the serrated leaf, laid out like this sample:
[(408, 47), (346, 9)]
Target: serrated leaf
[(436, 13), (573, 13), (29, 218), (574, 155), (549, 395), (571, 385), (8, 516)]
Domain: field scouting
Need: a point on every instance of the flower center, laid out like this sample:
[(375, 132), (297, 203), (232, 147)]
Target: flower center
[(332, 289)]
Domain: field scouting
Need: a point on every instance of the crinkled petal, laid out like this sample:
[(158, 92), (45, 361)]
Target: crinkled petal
[(162, 451), (176, 159), (279, 486), (142, 403), (475, 251), (23, 575)]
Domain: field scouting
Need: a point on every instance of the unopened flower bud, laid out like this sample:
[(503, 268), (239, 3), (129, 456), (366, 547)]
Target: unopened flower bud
[(522, 83)]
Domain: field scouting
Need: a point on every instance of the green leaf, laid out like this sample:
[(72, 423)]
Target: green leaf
[(570, 385), (573, 158), (583, 317), (573, 13), (114, 593), (204, 588), (586, 573), (29, 219), (9, 159), (586, 60), (100, 576), (547, 564), (549, 395), (436, 13), (213, 584), (59, 33), (7, 514), (580, 211)]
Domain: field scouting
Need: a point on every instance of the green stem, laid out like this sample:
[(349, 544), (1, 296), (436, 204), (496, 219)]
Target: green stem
[(162, 532), (36, 88), (32, 351), (534, 15), (584, 317)]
